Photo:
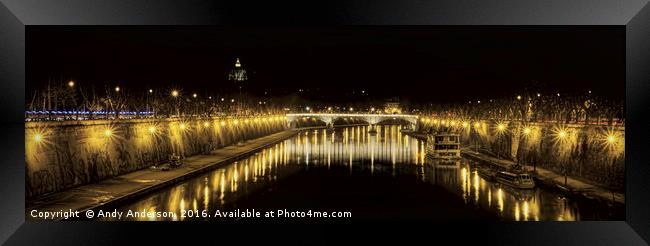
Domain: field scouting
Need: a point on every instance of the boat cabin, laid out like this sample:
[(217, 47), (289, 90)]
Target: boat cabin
[(444, 145)]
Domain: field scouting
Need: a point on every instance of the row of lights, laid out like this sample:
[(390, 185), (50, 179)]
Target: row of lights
[(174, 93), (610, 137), (39, 136)]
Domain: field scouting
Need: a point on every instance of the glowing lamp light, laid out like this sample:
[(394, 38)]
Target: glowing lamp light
[(182, 126), (562, 134), (526, 130), (223, 123), (518, 97), (477, 125), (150, 90), (465, 124), (611, 138), (194, 95), (501, 127), (152, 129), (71, 83), (235, 122), (108, 133), (206, 124), (38, 137), (174, 93)]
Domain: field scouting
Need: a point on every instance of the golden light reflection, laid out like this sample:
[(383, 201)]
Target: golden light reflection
[(500, 199), (355, 147)]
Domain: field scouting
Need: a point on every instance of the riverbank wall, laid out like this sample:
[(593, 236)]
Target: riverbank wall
[(61, 155)]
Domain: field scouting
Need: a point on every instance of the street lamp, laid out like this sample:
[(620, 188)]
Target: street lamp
[(38, 137), (174, 93), (71, 83), (117, 89), (150, 90), (611, 138), (194, 95)]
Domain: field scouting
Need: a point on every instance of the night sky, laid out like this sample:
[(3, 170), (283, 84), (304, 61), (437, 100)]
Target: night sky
[(407, 62)]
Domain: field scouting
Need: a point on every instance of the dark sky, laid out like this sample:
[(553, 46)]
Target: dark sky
[(410, 62)]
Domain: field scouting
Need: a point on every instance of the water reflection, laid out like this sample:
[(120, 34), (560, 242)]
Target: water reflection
[(361, 153)]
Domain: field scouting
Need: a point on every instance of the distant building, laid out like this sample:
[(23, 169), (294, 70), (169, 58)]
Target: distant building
[(392, 106), (238, 74)]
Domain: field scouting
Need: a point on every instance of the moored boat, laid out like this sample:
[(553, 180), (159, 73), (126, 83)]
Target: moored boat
[(516, 180), (443, 145), (487, 173)]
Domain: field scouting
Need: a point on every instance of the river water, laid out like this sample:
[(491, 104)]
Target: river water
[(380, 176)]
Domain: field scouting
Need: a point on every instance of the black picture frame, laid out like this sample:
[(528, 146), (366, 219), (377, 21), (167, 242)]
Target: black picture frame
[(633, 15)]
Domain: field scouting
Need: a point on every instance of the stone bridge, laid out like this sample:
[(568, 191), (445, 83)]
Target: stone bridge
[(371, 119)]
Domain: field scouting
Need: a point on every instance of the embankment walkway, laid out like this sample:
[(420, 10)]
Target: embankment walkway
[(114, 190), (557, 180)]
